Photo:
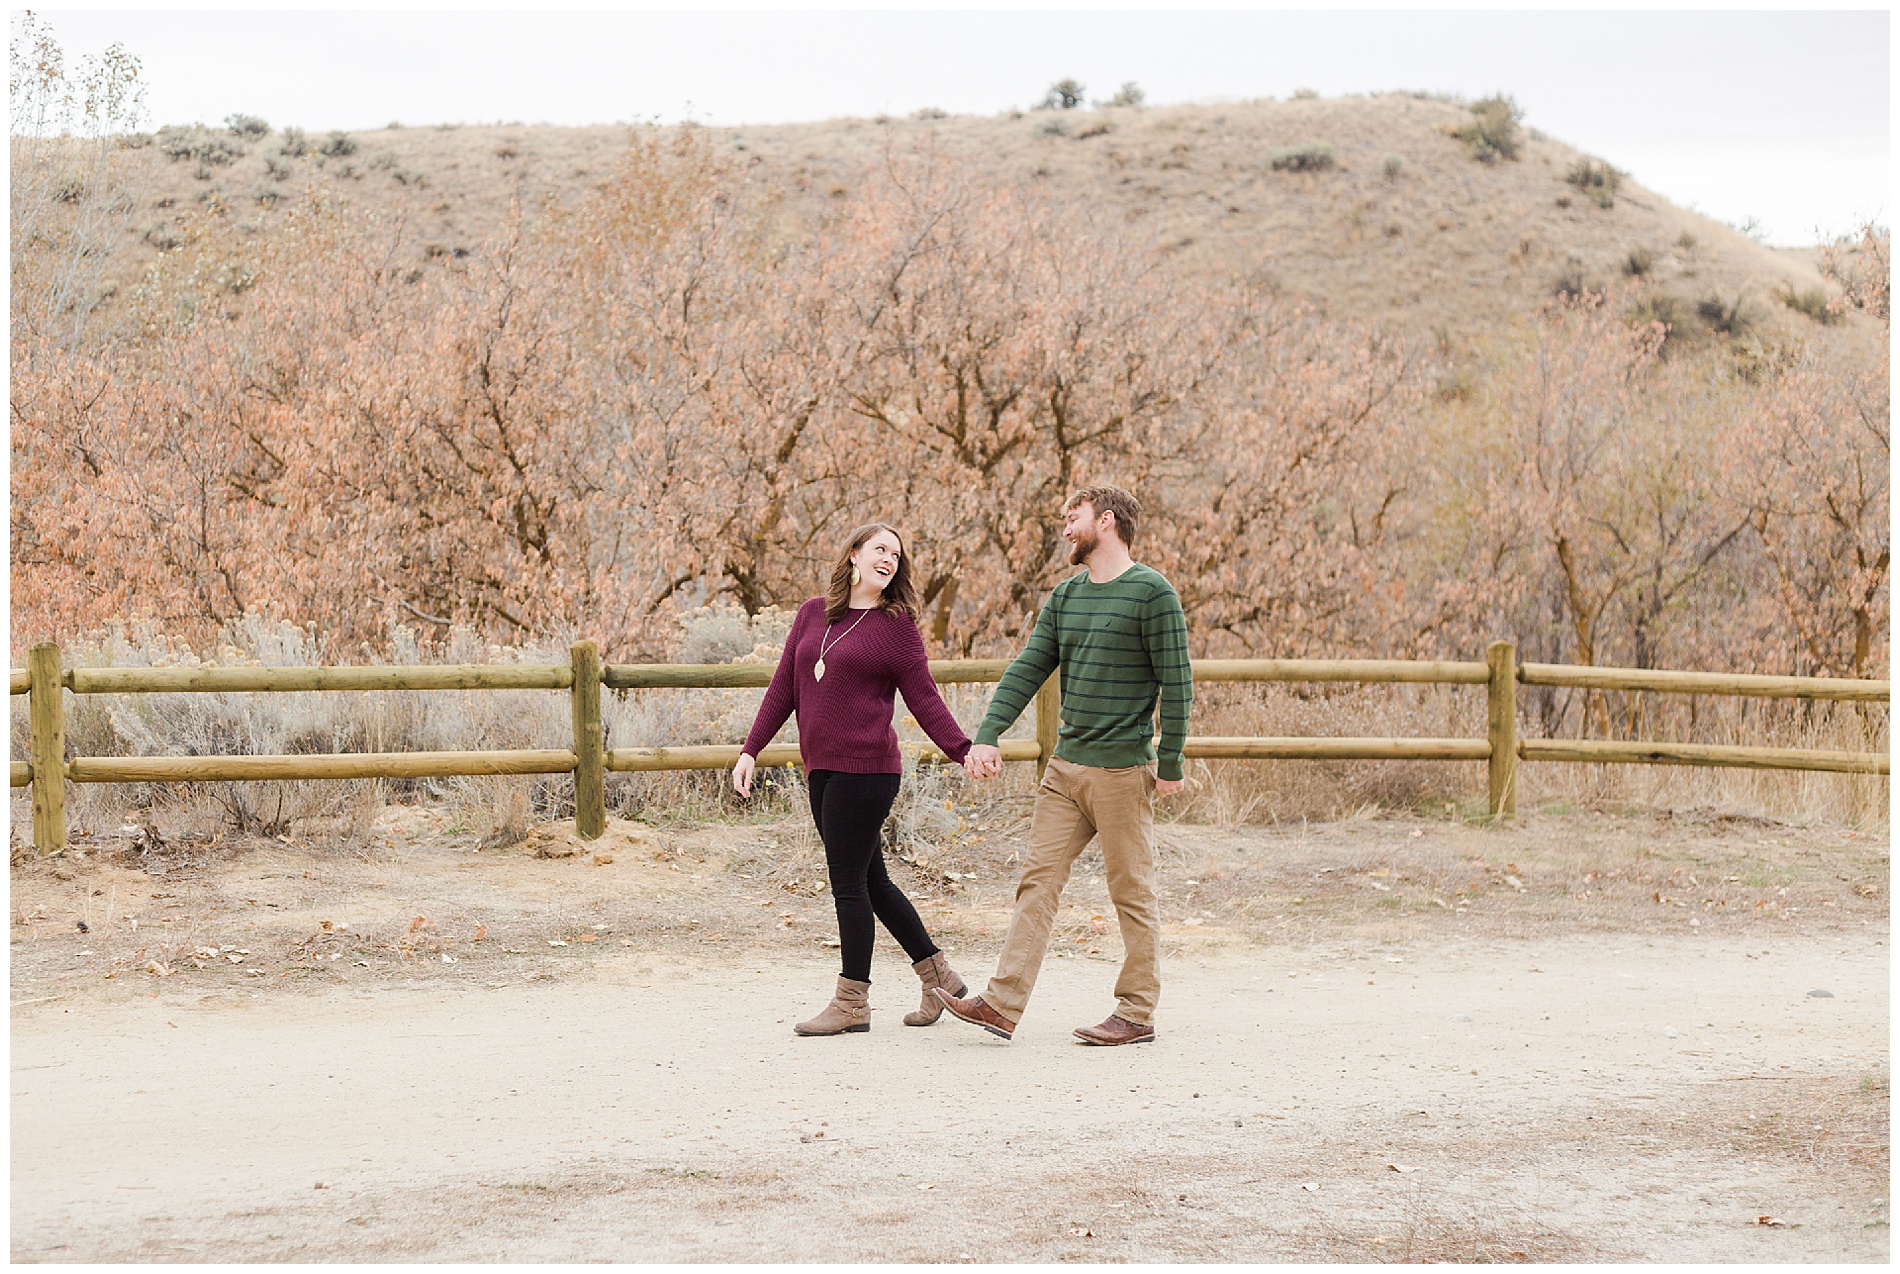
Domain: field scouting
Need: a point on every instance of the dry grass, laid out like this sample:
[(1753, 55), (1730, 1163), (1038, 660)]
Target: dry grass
[(1435, 241)]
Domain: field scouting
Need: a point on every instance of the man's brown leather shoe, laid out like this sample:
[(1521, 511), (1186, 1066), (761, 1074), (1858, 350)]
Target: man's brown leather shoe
[(1117, 1030), (976, 1013)]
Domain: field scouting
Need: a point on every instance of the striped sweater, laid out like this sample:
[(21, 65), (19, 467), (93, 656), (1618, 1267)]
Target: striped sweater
[(1121, 646)]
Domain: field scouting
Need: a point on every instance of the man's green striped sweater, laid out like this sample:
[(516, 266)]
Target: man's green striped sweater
[(1122, 646)]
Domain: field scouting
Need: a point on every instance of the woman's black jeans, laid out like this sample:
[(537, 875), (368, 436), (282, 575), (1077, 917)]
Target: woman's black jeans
[(850, 810)]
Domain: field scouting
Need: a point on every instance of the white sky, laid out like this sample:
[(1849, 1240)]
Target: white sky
[(1778, 116)]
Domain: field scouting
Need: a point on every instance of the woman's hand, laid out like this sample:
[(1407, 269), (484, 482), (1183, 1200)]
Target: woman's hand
[(742, 774)]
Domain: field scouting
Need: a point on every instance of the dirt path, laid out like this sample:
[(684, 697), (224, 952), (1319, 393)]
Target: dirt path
[(1553, 1097)]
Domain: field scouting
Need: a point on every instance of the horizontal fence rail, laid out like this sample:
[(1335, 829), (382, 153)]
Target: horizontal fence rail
[(1703, 683), (107, 681), (47, 769)]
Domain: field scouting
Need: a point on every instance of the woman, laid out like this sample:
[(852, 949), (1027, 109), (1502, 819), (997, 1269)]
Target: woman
[(846, 654)]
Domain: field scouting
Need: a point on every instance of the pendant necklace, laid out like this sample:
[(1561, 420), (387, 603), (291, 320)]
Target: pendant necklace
[(818, 669)]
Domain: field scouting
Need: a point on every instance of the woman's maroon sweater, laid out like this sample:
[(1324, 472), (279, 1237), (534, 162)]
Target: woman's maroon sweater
[(844, 721)]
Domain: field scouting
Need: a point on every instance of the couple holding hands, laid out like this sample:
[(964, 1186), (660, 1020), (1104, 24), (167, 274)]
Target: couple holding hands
[(1117, 633)]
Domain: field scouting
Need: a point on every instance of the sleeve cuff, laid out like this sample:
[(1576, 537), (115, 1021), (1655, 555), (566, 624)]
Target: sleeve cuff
[(1168, 769), (987, 737)]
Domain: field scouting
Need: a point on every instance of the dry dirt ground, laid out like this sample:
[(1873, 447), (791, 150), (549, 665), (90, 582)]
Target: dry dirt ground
[(1587, 1037)]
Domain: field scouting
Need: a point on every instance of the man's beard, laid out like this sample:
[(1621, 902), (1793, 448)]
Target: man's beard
[(1079, 549)]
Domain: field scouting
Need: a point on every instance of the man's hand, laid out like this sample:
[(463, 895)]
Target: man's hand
[(1168, 787), (983, 761), (742, 775)]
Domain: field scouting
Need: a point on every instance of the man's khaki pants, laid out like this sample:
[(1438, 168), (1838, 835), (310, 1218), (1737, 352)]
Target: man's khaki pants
[(1075, 804)]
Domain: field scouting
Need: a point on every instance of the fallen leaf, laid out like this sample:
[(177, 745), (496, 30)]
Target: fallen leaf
[(481, 931), (584, 937), (420, 922), (1400, 1167), (603, 860), (1771, 1221)]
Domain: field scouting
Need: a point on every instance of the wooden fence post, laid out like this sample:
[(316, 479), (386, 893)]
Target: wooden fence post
[(46, 709), (1501, 727), (1048, 720), (590, 758)]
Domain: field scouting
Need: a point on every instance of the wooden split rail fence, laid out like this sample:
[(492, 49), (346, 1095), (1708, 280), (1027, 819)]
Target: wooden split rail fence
[(48, 769)]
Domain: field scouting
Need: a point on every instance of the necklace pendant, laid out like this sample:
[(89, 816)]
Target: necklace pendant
[(818, 671)]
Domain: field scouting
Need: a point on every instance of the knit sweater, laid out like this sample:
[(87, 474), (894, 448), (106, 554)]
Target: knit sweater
[(1121, 646), (844, 721)]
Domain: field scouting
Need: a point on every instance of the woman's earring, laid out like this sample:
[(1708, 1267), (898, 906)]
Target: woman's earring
[(855, 576)]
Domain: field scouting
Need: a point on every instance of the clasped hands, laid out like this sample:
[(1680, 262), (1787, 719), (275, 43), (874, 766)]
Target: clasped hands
[(983, 761)]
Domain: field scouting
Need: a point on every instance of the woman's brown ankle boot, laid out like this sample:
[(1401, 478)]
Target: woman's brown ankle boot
[(849, 1010), (935, 972)]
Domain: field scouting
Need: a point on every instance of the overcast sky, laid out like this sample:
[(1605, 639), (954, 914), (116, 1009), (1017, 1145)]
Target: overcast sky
[(1780, 117)]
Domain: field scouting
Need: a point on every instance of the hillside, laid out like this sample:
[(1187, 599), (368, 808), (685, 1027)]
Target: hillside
[(1404, 227)]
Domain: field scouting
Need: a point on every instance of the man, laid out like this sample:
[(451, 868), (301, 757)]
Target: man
[(1120, 639)]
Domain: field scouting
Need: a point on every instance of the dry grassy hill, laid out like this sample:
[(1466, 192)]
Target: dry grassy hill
[(1405, 225)]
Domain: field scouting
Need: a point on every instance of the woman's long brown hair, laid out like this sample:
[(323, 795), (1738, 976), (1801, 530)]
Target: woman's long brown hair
[(900, 594)]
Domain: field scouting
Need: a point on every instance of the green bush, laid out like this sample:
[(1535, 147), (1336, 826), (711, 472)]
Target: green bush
[(195, 141), (1492, 132), (1726, 318), (1571, 285), (1311, 157), (1065, 94), (1599, 181), (1812, 302), (1638, 262), (337, 145), (1305, 94), (1392, 167), (242, 125), (1129, 94), (293, 143), (1669, 311)]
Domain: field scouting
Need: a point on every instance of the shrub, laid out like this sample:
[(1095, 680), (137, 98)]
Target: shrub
[(1129, 94), (930, 112), (1597, 180), (1727, 319), (1392, 167), (1669, 312), (276, 169), (1492, 132), (1311, 157), (1571, 285), (181, 142), (1812, 302), (242, 125), (1305, 94), (337, 144), (293, 143), (1065, 94), (1053, 128), (1638, 262), (1686, 241)]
